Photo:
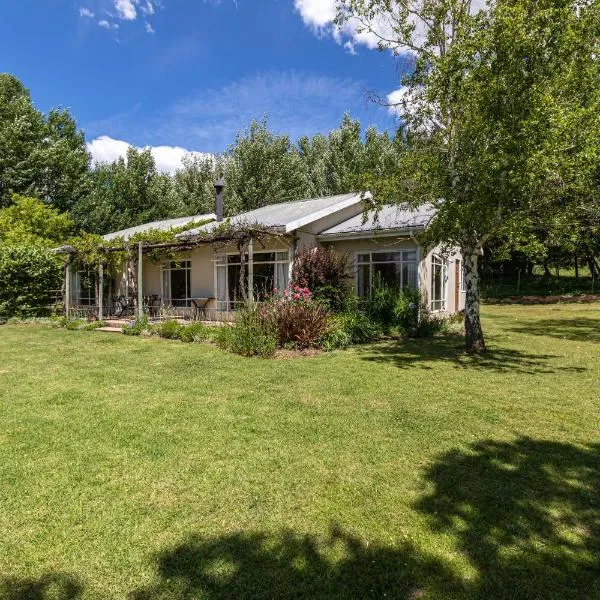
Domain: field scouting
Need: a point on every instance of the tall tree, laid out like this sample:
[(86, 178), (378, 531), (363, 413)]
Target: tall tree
[(39, 155), (480, 129), (126, 193)]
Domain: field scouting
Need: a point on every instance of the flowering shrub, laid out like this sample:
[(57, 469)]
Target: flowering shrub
[(326, 273), (140, 326), (297, 318), (252, 334)]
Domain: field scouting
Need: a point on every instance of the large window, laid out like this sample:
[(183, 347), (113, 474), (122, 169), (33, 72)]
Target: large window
[(83, 288), (397, 269), (270, 270), (177, 287), (439, 282)]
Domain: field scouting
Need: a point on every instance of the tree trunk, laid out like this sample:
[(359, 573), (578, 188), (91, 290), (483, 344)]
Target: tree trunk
[(474, 340), (576, 263)]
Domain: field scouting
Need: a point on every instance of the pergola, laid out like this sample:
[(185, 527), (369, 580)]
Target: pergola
[(242, 235)]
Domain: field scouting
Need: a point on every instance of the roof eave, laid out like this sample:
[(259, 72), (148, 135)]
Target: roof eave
[(325, 212), (371, 233)]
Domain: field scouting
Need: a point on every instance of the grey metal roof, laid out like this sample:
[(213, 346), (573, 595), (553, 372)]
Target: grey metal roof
[(162, 225), (391, 217), (287, 215)]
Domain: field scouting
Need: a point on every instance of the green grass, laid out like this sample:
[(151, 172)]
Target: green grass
[(148, 469), (539, 284)]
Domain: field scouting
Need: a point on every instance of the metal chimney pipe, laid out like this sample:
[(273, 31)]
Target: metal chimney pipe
[(219, 186)]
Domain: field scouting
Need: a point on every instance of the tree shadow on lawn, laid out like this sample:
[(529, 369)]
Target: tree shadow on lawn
[(425, 353), (524, 514), (266, 566), (581, 329), (52, 586)]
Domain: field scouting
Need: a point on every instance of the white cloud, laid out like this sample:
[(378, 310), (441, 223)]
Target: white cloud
[(149, 28), (147, 8), (317, 14), (104, 23), (85, 12), (105, 149), (126, 9)]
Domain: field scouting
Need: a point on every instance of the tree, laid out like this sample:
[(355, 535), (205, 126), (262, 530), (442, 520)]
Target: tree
[(30, 221), (194, 184), (126, 193), (261, 168), (41, 156), (484, 141)]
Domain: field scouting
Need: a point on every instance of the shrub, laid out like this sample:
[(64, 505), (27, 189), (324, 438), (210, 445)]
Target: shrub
[(29, 277), (297, 318), (251, 335), (193, 333), (170, 330), (74, 324), (140, 326), (350, 328), (326, 273), (408, 311), (381, 307)]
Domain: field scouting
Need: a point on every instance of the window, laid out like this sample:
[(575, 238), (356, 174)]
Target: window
[(439, 282), (83, 288), (270, 270), (177, 282), (398, 269)]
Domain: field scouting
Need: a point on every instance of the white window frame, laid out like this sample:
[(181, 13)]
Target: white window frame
[(185, 264), (441, 304), (358, 264), (221, 261)]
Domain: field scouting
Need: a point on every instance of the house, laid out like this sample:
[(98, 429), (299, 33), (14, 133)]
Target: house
[(203, 271)]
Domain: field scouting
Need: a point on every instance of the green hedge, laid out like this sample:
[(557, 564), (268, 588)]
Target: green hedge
[(29, 276)]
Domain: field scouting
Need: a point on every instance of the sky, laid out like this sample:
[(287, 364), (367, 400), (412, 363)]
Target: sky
[(188, 75)]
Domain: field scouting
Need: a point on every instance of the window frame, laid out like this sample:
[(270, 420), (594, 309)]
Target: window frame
[(358, 263), (221, 261), (166, 267), (441, 304)]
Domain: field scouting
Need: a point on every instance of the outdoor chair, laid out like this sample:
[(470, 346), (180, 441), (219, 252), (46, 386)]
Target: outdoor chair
[(199, 306)]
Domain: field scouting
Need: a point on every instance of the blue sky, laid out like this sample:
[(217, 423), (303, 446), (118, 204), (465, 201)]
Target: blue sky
[(189, 74)]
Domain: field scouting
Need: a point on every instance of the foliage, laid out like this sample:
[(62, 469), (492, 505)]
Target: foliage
[(298, 318), (381, 306), (194, 333), (325, 272), (409, 311), (349, 328), (126, 193), (29, 278), (500, 116), (169, 329), (139, 326), (31, 221), (44, 156), (251, 335)]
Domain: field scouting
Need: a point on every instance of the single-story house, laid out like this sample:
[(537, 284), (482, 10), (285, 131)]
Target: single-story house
[(204, 275)]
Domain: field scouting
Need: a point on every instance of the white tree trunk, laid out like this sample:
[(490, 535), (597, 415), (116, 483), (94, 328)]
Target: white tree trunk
[(474, 340)]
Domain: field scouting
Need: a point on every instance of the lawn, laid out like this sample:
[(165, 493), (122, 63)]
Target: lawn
[(148, 469)]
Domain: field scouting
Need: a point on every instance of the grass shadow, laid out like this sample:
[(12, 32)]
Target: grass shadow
[(525, 513), (264, 566), (52, 586), (424, 354), (580, 329)]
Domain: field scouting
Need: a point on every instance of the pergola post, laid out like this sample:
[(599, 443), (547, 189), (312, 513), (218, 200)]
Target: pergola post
[(68, 286), (251, 270), (100, 292), (140, 282)]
